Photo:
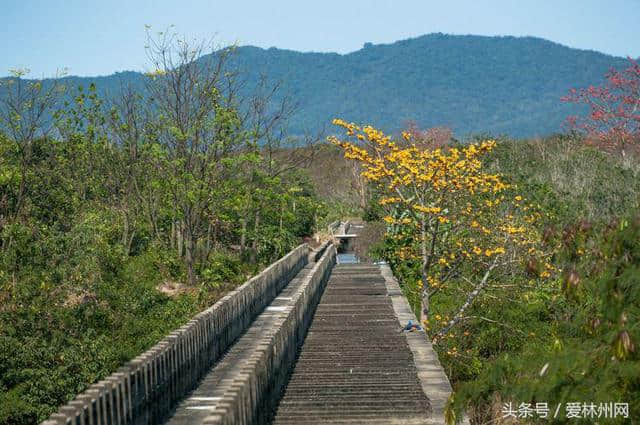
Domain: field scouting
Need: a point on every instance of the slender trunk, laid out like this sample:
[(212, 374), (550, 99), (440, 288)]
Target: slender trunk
[(315, 226), (424, 313), (180, 237), (125, 231), (243, 235), (254, 243), (207, 250), (472, 296), (154, 221), (148, 209), (21, 191), (360, 185), (172, 234), (130, 242), (190, 255)]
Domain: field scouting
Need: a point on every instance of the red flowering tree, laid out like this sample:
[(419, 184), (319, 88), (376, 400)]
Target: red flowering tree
[(613, 122), (431, 138)]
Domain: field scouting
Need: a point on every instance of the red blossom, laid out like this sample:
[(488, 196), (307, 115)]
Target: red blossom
[(613, 122), (432, 138)]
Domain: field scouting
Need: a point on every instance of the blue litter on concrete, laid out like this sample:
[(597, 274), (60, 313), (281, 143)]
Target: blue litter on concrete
[(412, 327)]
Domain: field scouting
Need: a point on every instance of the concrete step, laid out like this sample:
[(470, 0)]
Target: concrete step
[(355, 365)]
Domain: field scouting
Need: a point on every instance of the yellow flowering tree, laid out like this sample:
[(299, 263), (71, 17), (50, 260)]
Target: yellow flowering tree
[(451, 214)]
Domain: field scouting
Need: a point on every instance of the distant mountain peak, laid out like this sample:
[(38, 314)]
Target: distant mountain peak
[(473, 84)]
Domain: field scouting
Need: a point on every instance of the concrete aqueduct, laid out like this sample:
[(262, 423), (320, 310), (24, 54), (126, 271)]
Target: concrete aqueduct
[(310, 340)]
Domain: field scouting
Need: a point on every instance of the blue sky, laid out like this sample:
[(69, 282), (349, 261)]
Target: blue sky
[(101, 37)]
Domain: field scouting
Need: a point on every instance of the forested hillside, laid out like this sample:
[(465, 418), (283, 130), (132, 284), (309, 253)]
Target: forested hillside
[(473, 84)]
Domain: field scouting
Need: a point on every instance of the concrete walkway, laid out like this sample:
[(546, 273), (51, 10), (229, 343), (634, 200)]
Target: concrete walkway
[(356, 365)]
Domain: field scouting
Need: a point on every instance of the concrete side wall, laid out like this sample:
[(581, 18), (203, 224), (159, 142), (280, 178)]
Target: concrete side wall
[(434, 381), (145, 389), (316, 254), (251, 395), (332, 227)]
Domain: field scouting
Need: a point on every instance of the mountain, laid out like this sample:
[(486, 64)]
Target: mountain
[(473, 84)]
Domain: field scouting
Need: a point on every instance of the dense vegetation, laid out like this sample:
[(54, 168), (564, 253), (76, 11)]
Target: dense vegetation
[(501, 85), (572, 339), (121, 218), (561, 334)]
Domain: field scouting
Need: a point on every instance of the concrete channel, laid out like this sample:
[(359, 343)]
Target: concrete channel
[(307, 341)]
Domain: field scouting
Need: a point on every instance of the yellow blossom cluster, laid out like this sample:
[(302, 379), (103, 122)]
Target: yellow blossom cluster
[(453, 211), (495, 251), (433, 281), (513, 230), (428, 210), (156, 73), (390, 220), (391, 200), (437, 169)]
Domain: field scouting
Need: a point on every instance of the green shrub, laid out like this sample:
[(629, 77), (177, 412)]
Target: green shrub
[(593, 354), (222, 268)]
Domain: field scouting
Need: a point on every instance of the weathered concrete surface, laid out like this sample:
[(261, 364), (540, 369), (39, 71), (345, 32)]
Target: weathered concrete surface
[(344, 231), (332, 227), (203, 400), (315, 254), (356, 365), (145, 389), (252, 384), (434, 381)]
